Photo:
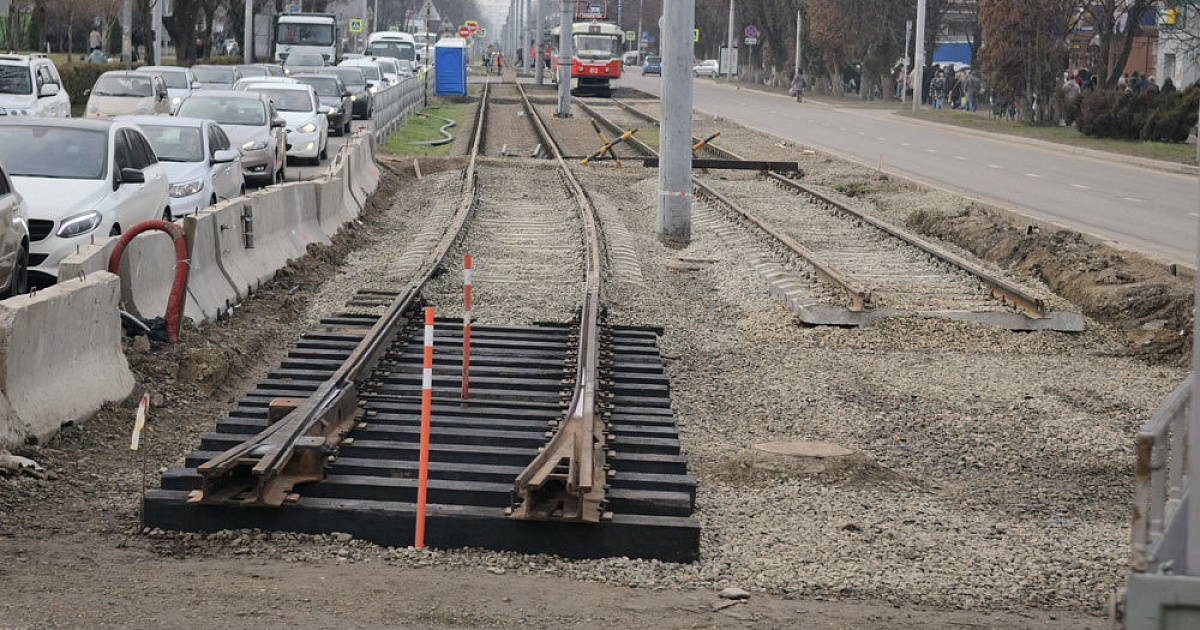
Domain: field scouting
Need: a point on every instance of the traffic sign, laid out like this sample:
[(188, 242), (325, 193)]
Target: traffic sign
[(472, 25), (750, 41), (751, 31), (430, 10), (356, 25), (293, 8), (482, 32), (695, 35), (630, 35), (393, 28), (464, 32)]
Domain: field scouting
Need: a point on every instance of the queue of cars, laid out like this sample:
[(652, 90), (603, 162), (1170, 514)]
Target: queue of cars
[(157, 142)]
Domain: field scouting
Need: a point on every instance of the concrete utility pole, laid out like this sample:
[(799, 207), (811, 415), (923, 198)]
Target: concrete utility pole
[(127, 34), (799, 21), (729, 50), (158, 32), (904, 68), (919, 58), (641, 10), (528, 35), (248, 38), (565, 51), (674, 223), (540, 69)]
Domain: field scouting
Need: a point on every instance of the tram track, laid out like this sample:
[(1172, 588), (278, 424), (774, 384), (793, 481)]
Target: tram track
[(833, 264), (567, 444)]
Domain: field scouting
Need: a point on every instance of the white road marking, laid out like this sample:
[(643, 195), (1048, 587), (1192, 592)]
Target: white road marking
[(905, 144), (1195, 214), (841, 128), (1079, 186), (1136, 200), (861, 133), (813, 122), (881, 139), (1033, 175), (931, 150), (959, 157), (994, 166)]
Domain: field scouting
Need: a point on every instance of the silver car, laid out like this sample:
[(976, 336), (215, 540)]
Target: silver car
[(706, 68), (14, 239), (121, 93), (252, 124)]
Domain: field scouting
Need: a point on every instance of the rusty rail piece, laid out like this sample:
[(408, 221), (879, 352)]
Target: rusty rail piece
[(567, 480), (1001, 289), (303, 434), (1161, 487), (859, 296)]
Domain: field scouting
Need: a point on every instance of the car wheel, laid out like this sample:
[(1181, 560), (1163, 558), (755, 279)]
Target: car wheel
[(346, 127), (19, 283), (324, 153)]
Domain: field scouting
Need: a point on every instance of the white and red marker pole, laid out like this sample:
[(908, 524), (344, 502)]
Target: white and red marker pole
[(466, 367), (426, 404)]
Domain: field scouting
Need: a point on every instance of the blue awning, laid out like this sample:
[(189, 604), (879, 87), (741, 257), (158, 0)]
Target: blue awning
[(953, 52)]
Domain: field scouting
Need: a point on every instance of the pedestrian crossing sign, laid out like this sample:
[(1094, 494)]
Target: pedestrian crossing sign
[(356, 25), (630, 36), (483, 32), (695, 35)]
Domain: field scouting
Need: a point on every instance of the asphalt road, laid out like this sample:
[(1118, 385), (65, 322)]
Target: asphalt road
[(297, 172), (1141, 209)]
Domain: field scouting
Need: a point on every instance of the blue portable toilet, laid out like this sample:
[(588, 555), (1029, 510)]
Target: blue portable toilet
[(450, 59)]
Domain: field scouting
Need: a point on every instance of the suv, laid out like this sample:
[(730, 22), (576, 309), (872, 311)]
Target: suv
[(30, 86)]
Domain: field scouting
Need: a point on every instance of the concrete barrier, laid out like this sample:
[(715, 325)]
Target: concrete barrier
[(208, 286), (60, 357), (89, 259), (147, 273), (354, 205), (302, 212), (243, 272), (332, 209)]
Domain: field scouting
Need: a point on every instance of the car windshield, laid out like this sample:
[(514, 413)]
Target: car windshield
[(288, 100), (396, 50), (127, 85), (213, 75), (653, 59), (304, 35), (352, 77), (226, 110), (15, 80), (594, 43), (253, 71), (405, 66), (386, 66), (174, 80), (175, 144), (323, 86), (370, 72), (58, 152)]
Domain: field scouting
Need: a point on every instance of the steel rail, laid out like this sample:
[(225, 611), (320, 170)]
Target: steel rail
[(567, 479), (858, 295), (1000, 289), (303, 434)]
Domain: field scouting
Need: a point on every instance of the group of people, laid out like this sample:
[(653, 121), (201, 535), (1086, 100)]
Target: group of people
[(492, 58), (959, 89), (1082, 80)]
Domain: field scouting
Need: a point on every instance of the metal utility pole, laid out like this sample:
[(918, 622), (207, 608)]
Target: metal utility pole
[(904, 68), (375, 18), (1191, 539), (523, 29), (620, 24), (919, 57), (425, 70), (799, 21), (248, 43), (674, 222), (641, 10), (540, 68), (127, 34), (158, 32), (729, 50), (565, 51)]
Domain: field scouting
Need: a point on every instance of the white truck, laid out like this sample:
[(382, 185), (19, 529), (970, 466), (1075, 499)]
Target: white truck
[(311, 33)]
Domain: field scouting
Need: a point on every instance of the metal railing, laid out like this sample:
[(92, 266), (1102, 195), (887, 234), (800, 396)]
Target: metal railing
[(394, 104), (1161, 486)]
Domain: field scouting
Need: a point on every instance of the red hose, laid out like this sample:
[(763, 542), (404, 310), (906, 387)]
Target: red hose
[(179, 287)]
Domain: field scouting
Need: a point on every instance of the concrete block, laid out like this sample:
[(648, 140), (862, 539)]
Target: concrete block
[(147, 274), (301, 200), (332, 210), (60, 357), (89, 259), (208, 286), (244, 273)]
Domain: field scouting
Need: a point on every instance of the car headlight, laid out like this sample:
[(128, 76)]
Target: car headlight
[(255, 145), (353, 97), (80, 224), (186, 189), (374, 89), (176, 101), (309, 128), (331, 110)]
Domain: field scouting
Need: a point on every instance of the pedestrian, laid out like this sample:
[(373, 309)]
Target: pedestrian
[(1135, 83), (1168, 86), (797, 88), (1070, 88), (956, 90), (1123, 82), (499, 63), (937, 90), (973, 88)]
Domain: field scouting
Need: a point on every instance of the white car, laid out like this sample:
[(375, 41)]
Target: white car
[(80, 178), (202, 165), (307, 125), (242, 84), (391, 70), (252, 124), (120, 93), (180, 82), (706, 68), (371, 71), (30, 86)]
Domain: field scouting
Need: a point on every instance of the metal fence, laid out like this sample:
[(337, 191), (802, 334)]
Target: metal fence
[(394, 104)]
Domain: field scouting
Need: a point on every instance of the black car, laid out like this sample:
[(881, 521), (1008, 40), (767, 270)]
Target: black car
[(356, 83), (335, 100)]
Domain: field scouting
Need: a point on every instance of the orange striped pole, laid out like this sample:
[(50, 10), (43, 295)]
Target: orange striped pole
[(426, 403), (466, 368)]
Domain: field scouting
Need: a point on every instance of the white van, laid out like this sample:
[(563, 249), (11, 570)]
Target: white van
[(392, 44), (30, 86), (308, 33)]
